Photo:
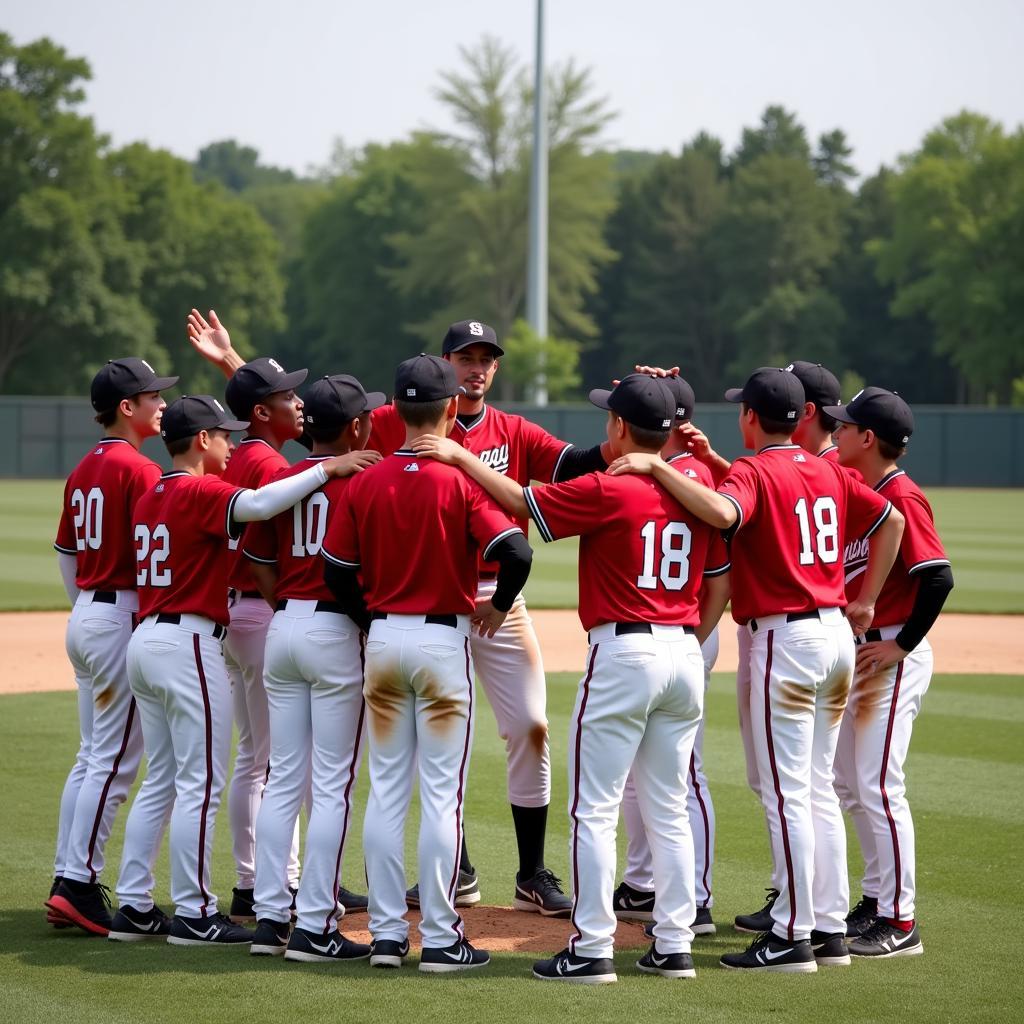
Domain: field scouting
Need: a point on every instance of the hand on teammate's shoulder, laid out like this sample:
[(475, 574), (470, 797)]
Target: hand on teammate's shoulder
[(350, 463), (443, 449), (635, 462)]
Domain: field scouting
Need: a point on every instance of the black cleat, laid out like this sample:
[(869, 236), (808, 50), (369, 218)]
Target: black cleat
[(770, 953), (578, 970), (668, 965), (830, 949), (352, 901), (862, 917), (542, 894), (242, 910), (883, 940), (458, 957), (270, 939), (702, 923), (467, 892), (54, 917), (217, 930), (632, 904), (388, 952), (316, 948), (131, 925), (762, 920), (86, 904)]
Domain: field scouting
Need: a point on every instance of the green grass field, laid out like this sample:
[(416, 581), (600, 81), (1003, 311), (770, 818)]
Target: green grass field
[(981, 529), (966, 774)]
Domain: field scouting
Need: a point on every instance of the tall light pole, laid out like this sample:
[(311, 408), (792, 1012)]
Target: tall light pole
[(537, 258)]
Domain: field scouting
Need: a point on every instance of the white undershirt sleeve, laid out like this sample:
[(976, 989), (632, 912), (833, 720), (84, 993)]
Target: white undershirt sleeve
[(265, 503), (68, 571)]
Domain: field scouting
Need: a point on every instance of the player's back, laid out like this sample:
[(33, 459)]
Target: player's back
[(795, 511), (95, 526)]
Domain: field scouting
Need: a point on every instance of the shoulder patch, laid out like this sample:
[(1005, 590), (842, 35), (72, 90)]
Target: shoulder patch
[(413, 467)]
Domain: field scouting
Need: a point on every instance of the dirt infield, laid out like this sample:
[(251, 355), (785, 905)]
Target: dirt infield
[(34, 658), (504, 930)]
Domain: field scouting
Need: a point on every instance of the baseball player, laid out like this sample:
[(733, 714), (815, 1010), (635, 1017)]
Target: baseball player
[(789, 516), (416, 531), (314, 681), (634, 897), (175, 663), (640, 701), (97, 563), (894, 668), (509, 662), (814, 434)]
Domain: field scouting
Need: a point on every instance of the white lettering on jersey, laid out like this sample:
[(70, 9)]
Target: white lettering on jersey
[(496, 458), (855, 558)]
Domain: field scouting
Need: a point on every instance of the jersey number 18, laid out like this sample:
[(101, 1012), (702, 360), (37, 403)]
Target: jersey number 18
[(826, 531), (673, 569)]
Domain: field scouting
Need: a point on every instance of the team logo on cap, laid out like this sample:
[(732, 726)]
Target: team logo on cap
[(680, 412), (789, 368), (476, 329), (219, 406), (665, 424), (147, 366), (791, 415), (856, 396), (410, 392), (276, 365)]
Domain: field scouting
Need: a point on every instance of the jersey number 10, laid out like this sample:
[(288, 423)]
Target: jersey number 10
[(308, 530)]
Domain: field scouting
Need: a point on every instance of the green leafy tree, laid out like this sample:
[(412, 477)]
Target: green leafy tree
[(527, 355), (779, 134), (237, 167)]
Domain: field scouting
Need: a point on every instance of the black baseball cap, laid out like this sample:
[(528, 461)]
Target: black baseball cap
[(772, 392), (683, 394), (470, 332), (879, 410), (189, 414), (821, 386), (336, 400), (640, 400), (258, 379), (122, 378), (426, 379)]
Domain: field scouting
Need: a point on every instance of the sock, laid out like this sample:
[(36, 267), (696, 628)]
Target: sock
[(464, 864), (531, 828), (903, 926)]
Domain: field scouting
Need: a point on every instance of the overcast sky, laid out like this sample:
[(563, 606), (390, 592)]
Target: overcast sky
[(290, 76)]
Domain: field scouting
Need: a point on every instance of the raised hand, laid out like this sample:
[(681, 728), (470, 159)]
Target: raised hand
[(209, 337), (656, 371), (696, 441)]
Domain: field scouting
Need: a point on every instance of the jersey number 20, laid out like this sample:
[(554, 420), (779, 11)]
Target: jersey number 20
[(673, 571), (88, 509)]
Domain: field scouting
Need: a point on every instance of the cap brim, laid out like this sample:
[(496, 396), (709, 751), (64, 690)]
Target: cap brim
[(838, 412), (163, 383), (232, 425), (599, 397), (734, 395), (374, 400), (289, 382), (476, 341)]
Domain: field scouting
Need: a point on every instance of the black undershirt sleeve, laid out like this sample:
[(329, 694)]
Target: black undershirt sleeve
[(577, 461), (933, 588), (514, 557), (348, 592)]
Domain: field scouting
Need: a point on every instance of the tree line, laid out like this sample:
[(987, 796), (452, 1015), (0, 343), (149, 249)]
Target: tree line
[(716, 260)]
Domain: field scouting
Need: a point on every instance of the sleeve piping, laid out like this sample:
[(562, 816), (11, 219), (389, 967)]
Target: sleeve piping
[(881, 519), (65, 551), (497, 540), (231, 528), (558, 463), (928, 563), (536, 515), (718, 570), (334, 560), (739, 511), (256, 558)]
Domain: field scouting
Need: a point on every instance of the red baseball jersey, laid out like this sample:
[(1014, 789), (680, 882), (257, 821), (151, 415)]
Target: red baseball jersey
[(718, 551), (417, 529), (642, 555), (831, 453), (253, 463), (795, 512), (292, 540), (181, 558), (920, 548), (96, 517), (505, 442)]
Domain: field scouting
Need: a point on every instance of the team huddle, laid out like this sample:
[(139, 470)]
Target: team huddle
[(356, 598)]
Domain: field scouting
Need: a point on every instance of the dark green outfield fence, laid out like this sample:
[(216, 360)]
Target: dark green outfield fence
[(953, 446)]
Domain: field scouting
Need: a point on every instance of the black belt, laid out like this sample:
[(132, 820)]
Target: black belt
[(791, 617), (237, 595), (487, 576), (625, 628), (105, 596), (174, 619), (873, 636), (434, 620), (321, 606)]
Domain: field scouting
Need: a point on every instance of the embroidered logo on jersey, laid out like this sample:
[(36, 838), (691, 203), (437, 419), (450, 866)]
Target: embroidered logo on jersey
[(799, 457), (159, 488), (413, 467), (496, 458), (690, 473), (99, 451)]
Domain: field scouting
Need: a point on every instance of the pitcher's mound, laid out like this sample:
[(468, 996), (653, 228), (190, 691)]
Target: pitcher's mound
[(504, 930)]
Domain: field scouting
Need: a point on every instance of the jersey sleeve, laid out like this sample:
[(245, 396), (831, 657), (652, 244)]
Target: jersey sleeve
[(717, 562), (387, 432), (740, 487), (261, 541), (920, 547), (142, 480), (866, 509), (544, 453), (570, 509), (488, 522), (66, 542), (214, 505), (341, 541)]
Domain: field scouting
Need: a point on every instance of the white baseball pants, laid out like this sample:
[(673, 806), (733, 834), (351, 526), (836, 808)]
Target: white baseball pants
[(800, 677), (110, 748), (511, 671), (313, 673), (181, 686), (419, 699), (638, 705), (870, 780), (699, 808)]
